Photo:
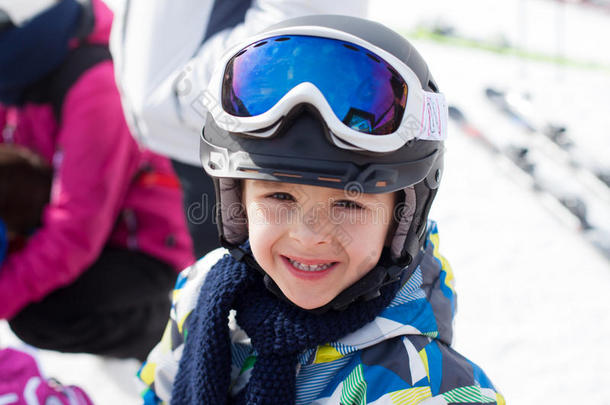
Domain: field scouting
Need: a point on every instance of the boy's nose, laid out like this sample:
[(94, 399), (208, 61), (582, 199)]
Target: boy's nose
[(312, 227)]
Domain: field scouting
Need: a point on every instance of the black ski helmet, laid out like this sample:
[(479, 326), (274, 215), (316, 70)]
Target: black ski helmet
[(300, 152)]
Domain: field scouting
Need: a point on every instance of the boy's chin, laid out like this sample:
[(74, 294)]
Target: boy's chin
[(307, 303)]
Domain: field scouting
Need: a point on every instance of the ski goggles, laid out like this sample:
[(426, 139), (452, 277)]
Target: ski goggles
[(369, 99)]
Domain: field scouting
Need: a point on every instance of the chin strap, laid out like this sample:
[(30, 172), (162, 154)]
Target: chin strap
[(367, 288)]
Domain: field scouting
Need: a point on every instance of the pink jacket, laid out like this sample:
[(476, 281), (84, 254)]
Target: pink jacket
[(99, 195)]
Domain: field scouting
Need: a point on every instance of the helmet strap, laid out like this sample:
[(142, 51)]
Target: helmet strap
[(417, 231)]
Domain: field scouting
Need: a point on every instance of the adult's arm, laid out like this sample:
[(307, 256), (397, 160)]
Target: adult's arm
[(163, 63), (96, 160)]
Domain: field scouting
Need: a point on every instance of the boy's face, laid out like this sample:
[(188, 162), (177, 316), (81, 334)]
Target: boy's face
[(314, 242)]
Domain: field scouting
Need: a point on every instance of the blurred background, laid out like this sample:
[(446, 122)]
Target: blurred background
[(524, 221), (532, 280)]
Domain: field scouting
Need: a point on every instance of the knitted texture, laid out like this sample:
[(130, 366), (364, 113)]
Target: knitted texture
[(279, 332)]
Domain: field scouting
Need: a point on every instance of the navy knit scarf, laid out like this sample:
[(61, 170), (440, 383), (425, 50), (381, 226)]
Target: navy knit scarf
[(278, 331)]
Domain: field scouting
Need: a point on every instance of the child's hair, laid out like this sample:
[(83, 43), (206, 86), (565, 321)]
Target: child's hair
[(25, 186)]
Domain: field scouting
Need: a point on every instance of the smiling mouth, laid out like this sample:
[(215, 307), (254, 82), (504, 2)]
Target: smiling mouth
[(309, 267)]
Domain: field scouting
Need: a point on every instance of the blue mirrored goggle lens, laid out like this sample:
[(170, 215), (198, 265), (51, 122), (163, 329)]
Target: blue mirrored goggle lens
[(363, 90)]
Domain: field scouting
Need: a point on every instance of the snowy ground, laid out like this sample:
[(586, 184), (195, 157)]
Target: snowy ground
[(533, 306)]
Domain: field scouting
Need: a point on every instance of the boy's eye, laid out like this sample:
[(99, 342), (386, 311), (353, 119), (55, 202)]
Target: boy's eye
[(347, 204), (282, 196)]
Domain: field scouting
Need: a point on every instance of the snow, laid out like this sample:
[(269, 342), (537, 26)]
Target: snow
[(533, 309), (106, 380)]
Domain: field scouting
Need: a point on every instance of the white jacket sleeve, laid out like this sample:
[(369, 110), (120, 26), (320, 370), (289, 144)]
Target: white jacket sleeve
[(163, 68)]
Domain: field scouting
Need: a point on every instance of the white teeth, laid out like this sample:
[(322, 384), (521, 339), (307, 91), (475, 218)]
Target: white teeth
[(310, 267)]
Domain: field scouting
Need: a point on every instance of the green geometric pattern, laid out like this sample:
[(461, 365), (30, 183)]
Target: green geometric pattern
[(354, 388), (433, 334), (248, 364), (410, 395), (467, 394)]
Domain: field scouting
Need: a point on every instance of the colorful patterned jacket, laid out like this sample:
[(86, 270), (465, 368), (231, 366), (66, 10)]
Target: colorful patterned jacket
[(403, 357)]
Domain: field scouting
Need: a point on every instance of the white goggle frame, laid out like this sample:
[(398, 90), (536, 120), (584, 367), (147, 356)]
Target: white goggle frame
[(425, 116)]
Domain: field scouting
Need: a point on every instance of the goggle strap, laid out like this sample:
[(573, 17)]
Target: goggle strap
[(434, 118)]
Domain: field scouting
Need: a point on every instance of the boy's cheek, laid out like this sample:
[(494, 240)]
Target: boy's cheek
[(364, 244), (366, 263), (257, 214)]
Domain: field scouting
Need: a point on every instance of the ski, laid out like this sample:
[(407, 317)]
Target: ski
[(554, 141), (448, 35), (531, 166)]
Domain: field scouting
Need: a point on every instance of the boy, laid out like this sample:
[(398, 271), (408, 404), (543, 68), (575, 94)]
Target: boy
[(325, 140)]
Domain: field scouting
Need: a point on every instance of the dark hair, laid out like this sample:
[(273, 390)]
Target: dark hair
[(25, 188)]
